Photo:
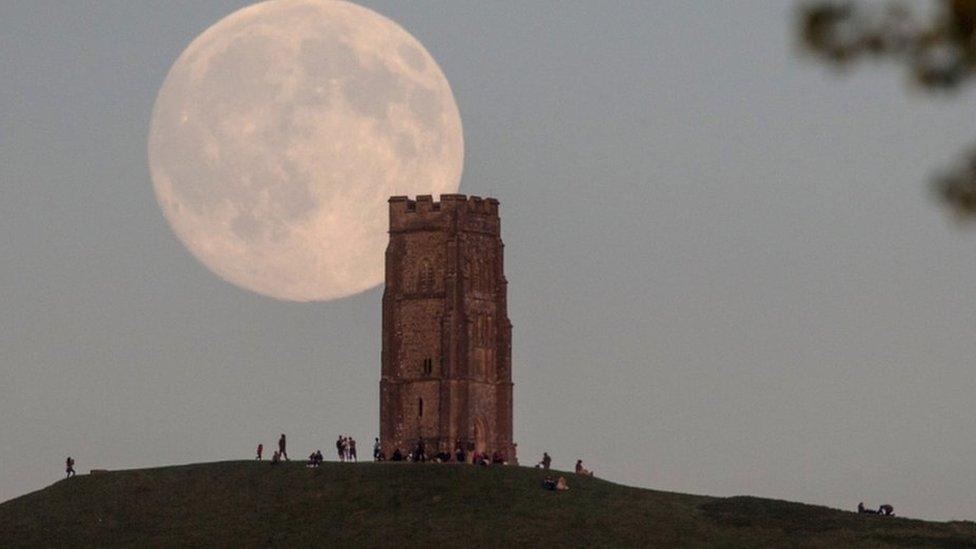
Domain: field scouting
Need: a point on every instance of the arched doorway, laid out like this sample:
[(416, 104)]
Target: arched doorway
[(480, 435)]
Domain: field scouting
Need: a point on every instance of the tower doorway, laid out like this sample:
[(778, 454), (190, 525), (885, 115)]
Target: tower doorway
[(480, 435)]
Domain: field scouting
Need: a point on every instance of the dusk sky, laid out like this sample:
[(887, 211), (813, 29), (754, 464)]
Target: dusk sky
[(727, 272)]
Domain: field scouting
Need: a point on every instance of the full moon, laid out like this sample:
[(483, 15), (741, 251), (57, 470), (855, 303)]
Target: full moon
[(280, 133)]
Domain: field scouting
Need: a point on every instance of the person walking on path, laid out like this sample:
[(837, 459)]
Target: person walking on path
[(69, 467), (260, 451), (281, 447)]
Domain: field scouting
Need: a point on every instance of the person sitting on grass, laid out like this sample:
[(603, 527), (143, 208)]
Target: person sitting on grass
[(561, 484), (886, 510), (397, 455), (862, 510), (459, 455), (549, 484), (582, 471), (315, 459), (276, 458)]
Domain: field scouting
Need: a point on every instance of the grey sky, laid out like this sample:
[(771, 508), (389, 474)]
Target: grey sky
[(726, 273)]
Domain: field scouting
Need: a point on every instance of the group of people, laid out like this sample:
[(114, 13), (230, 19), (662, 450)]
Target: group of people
[(346, 448), (555, 485), (546, 462), (281, 454), (315, 459), (419, 454), (885, 510)]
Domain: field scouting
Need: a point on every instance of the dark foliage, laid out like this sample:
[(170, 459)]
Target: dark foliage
[(938, 47)]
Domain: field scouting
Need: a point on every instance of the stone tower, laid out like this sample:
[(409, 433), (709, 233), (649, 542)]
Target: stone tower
[(447, 340)]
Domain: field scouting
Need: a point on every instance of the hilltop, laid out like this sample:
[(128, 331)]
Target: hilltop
[(246, 503)]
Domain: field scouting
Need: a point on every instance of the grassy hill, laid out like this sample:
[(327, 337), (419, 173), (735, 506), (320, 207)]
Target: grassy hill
[(244, 503)]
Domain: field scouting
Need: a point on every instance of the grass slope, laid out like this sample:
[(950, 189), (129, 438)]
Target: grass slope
[(243, 503)]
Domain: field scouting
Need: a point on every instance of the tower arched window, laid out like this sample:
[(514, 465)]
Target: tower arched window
[(420, 407), (428, 366)]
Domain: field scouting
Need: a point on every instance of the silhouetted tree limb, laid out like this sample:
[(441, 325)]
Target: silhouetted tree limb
[(938, 47)]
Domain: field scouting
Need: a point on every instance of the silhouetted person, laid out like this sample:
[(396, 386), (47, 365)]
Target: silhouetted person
[(580, 470), (376, 449), (459, 454), (397, 455), (281, 447), (861, 509), (69, 467), (886, 510), (260, 451), (352, 449), (546, 461), (340, 448), (275, 458)]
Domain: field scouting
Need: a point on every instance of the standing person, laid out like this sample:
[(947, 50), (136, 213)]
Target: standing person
[(352, 449), (342, 455), (69, 467), (376, 449), (546, 461), (281, 447), (260, 451)]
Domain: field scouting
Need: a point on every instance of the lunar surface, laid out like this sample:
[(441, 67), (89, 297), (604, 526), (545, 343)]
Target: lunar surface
[(280, 133)]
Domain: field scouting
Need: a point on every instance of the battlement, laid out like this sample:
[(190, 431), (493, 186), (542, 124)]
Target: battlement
[(424, 203)]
